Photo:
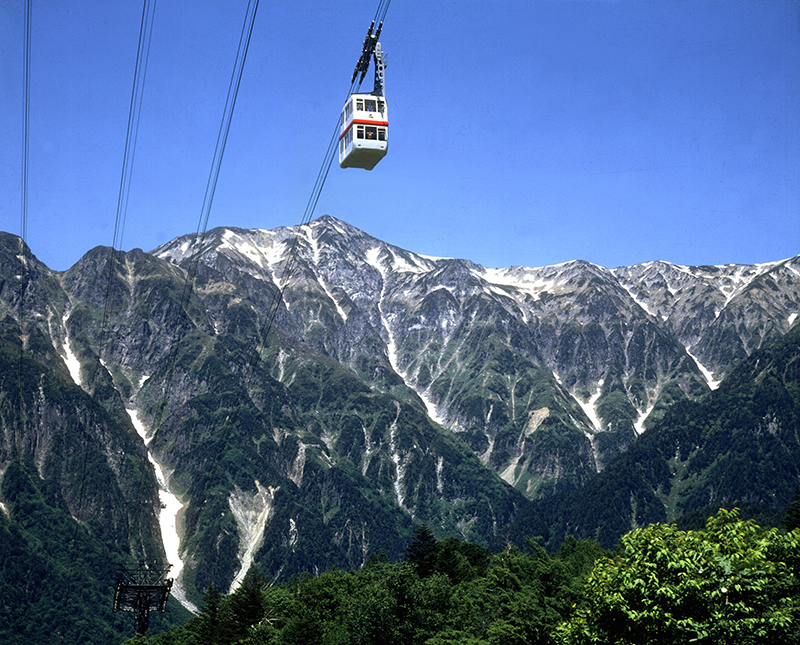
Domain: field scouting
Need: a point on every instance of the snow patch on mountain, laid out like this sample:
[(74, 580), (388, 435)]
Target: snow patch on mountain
[(73, 364), (590, 407), (171, 507), (308, 233), (431, 408), (335, 224), (259, 247), (641, 302), (298, 467), (251, 513), (342, 313), (399, 467), (707, 373), (275, 253), (402, 265), (526, 281), (730, 279), (245, 247), (741, 278), (368, 448), (373, 259), (669, 290), (638, 425)]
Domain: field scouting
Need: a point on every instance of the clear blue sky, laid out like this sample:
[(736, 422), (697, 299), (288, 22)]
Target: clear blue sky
[(522, 132)]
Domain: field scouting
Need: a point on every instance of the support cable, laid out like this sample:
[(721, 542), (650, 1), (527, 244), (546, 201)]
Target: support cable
[(211, 186), (199, 237), (322, 175), (134, 116), (216, 164), (17, 606), (26, 117)]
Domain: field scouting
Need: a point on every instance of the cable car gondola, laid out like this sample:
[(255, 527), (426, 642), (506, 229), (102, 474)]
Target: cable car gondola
[(364, 137), (364, 134)]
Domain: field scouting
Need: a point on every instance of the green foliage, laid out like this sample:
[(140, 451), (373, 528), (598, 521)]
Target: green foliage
[(732, 582), (421, 553), (467, 596), (792, 518), (737, 447), (56, 575)]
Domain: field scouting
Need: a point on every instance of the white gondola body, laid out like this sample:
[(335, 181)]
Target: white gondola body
[(364, 135)]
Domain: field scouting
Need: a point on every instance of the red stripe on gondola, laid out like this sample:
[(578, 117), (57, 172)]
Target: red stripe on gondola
[(360, 122)]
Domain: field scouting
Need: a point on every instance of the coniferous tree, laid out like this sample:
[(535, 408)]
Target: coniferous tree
[(247, 602), (792, 519), (209, 618), (421, 552)]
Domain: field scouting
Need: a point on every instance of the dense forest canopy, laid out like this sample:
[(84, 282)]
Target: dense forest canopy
[(731, 581)]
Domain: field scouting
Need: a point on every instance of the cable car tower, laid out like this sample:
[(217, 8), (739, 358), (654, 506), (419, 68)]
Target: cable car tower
[(142, 590), (364, 134)]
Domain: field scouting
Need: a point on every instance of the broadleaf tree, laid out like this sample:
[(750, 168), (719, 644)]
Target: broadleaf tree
[(732, 582)]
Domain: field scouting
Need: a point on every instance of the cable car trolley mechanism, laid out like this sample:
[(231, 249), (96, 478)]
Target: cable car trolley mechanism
[(364, 134)]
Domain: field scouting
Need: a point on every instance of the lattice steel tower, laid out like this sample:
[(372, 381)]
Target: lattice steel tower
[(142, 590)]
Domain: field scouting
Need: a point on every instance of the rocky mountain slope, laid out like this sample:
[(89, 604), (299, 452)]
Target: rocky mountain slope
[(317, 391), (739, 446), (518, 362)]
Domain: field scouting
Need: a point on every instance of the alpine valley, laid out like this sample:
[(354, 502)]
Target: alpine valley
[(301, 398)]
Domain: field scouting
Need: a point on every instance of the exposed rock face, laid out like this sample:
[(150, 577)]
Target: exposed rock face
[(312, 390), (607, 350), (722, 314), (737, 447)]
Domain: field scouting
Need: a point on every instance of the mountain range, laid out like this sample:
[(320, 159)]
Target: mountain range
[(302, 397)]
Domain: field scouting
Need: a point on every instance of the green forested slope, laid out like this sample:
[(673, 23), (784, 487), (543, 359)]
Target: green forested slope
[(57, 576), (729, 582), (739, 446), (447, 592), (69, 518)]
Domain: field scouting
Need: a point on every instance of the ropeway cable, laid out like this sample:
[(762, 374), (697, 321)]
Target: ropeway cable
[(134, 115), (17, 607), (288, 266), (211, 186), (322, 175), (199, 238)]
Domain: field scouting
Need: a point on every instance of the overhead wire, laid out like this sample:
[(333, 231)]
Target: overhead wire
[(16, 605), (380, 12), (26, 118), (199, 237), (143, 50), (288, 266), (197, 246), (316, 192), (211, 186), (134, 117)]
